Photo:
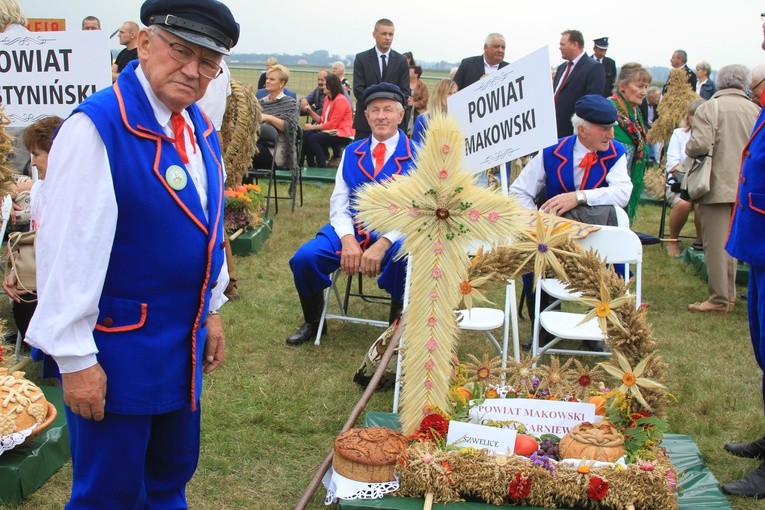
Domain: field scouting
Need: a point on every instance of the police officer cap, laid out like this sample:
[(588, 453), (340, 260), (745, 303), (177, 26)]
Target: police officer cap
[(383, 90), (207, 23), (601, 43), (596, 109)]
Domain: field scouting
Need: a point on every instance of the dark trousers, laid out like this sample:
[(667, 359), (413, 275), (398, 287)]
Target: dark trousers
[(315, 144), (128, 462), (756, 307)]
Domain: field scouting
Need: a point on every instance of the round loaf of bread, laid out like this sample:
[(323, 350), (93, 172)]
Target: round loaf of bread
[(22, 403), (368, 455)]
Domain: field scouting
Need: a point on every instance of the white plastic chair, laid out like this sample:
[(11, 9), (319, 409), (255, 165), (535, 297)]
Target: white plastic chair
[(616, 245), (5, 212), (556, 289), (489, 319)]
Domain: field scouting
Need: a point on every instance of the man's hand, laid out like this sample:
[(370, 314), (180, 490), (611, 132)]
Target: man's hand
[(371, 260), (10, 286), (350, 256), (215, 347), (560, 204), (85, 392)]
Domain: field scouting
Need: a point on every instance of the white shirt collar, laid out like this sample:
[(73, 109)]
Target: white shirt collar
[(379, 53), (390, 144), (161, 111)]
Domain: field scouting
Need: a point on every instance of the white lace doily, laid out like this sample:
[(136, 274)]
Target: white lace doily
[(341, 487), (11, 441)]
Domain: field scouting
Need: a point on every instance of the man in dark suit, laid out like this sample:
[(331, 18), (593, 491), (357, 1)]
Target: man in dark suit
[(380, 64), (609, 66), (679, 60), (473, 69), (578, 76)]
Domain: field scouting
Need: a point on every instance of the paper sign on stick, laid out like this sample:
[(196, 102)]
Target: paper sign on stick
[(539, 416), (507, 114), (50, 73), (481, 437)]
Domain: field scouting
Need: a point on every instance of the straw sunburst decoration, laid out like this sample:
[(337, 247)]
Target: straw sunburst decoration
[(441, 211)]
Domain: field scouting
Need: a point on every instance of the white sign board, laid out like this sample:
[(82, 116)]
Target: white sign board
[(508, 113), (50, 73), (480, 437), (539, 416)]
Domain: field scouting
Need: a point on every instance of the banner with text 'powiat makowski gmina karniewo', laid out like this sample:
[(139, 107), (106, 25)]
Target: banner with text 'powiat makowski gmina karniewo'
[(508, 113), (50, 73)]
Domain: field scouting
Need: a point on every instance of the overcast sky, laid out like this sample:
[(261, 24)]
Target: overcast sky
[(646, 32)]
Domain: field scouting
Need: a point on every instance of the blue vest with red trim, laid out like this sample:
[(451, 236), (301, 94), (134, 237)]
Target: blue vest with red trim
[(359, 167), (559, 167), (746, 241), (165, 259)]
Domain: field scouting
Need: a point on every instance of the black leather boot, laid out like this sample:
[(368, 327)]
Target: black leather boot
[(753, 450), (395, 311), (312, 306), (752, 486)]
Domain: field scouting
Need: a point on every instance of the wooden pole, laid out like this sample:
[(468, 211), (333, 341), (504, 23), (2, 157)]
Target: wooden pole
[(362, 403), (428, 501)]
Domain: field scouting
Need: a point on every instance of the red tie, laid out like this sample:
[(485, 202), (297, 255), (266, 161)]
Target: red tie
[(179, 126), (587, 162), (563, 80), (379, 154)]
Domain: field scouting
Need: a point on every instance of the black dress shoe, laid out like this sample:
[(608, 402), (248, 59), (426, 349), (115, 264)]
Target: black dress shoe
[(305, 333), (753, 450), (753, 486)]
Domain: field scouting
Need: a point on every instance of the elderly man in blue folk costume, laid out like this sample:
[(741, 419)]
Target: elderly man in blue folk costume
[(586, 168), (131, 263), (343, 243)]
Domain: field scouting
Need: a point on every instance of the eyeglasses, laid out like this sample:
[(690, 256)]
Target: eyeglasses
[(184, 55), (758, 84)]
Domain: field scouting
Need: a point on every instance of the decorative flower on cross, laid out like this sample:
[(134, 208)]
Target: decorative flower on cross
[(544, 246), (441, 212), (604, 307), (632, 379)]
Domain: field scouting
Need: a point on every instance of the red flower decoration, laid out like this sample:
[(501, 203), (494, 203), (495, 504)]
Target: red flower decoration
[(447, 467), (634, 417), (598, 488), (520, 487), (433, 426)]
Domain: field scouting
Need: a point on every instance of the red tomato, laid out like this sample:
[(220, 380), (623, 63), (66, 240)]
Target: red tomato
[(525, 445)]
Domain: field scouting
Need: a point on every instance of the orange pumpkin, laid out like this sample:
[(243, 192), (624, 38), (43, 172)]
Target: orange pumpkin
[(592, 442)]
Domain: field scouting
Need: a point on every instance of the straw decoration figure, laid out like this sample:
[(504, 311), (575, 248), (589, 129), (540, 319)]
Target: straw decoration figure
[(239, 132), (441, 212)]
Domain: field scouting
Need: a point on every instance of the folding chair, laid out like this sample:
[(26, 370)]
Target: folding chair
[(269, 137), (489, 319), (342, 304), (616, 245)]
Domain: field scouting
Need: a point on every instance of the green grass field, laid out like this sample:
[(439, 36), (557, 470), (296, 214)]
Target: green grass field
[(271, 412)]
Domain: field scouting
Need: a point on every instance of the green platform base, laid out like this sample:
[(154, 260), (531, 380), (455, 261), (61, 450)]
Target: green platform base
[(700, 489), (696, 259), (251, 241), (25, 468), (310, 174)]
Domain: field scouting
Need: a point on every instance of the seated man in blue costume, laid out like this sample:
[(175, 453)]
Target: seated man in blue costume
[(586, 168), (342, 243)]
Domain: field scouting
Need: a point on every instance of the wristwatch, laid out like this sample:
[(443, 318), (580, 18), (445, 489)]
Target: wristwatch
[(581, 198)]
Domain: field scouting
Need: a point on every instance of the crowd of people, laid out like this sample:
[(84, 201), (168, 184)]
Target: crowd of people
[(129, 428)]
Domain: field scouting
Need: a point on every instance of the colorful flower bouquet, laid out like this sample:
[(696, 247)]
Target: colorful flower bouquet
[(243, 208)]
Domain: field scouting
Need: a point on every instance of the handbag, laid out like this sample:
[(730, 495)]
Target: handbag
[(697, 176), (21, 260), (698, 171)]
